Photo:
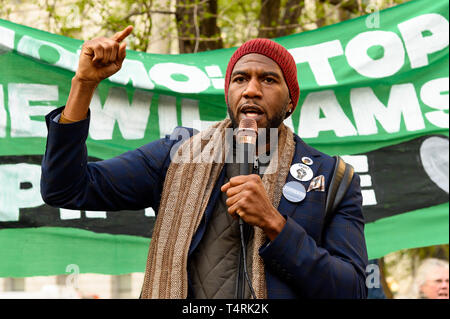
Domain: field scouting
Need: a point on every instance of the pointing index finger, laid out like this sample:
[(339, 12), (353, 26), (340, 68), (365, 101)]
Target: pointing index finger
[(119, 36)]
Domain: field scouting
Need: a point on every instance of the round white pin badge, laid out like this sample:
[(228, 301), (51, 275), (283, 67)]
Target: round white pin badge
[(301, 172), (294, 191)]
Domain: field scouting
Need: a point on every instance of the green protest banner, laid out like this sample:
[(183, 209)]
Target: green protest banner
[(372, 89)]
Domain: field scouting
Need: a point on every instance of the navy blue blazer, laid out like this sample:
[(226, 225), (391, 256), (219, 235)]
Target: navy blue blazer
[(296, 266)]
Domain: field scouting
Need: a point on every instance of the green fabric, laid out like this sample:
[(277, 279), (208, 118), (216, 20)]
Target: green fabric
[(48, 251), (410, 230)]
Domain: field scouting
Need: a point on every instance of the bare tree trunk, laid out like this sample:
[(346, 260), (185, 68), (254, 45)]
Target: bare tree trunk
[(269, 18), (197, 25), (290, 20), (209, 28), (345, 9)]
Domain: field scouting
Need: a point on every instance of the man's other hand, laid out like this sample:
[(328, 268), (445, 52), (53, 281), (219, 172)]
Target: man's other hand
[(102, 57)]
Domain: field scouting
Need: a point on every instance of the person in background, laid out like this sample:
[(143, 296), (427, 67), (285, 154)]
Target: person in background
[(431, 280)]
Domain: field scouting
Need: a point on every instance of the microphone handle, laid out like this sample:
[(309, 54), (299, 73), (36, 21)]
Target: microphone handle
[(246, 158), (246, 152)]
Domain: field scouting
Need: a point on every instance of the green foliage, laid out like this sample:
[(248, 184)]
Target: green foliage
[(419, 254), (237, 20)]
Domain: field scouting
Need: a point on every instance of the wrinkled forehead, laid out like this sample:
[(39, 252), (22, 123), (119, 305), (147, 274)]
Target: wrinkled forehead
[(258, 62)]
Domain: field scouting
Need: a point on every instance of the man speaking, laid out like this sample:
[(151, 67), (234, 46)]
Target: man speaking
[(218, 233)]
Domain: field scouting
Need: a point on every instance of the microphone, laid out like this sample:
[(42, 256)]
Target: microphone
[(246, 147)]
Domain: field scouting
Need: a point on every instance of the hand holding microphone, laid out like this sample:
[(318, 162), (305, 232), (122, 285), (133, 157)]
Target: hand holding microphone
[(247, 197), (245, 148)]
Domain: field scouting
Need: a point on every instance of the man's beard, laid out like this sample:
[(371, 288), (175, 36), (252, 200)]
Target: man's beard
[(264, 132), (273, 122), (266, 144)]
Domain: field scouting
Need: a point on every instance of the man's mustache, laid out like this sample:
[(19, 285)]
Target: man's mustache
[(250, 107)]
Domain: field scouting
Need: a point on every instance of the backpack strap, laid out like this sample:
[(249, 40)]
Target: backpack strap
[(340, 182)]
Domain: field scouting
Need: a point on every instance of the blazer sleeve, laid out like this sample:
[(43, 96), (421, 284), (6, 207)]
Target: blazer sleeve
[(131, 181), (335, 270)]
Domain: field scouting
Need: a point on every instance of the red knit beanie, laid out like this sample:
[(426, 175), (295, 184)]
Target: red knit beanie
[(278, 54)]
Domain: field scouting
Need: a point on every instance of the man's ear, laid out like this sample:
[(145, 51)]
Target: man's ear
[(290, 108)]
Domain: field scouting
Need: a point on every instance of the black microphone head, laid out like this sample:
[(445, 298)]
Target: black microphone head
[(247, 132)]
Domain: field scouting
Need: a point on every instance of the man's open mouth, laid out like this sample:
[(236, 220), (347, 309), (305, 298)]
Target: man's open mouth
[(252, 111)]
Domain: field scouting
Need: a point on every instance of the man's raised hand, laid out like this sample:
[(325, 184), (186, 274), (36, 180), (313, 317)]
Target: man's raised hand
[(102, 57)]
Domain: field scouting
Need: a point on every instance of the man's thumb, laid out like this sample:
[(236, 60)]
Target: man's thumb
[(122, 51)]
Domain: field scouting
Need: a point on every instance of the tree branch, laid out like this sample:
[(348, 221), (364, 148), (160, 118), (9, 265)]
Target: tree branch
[(137, 13), (290, 18)]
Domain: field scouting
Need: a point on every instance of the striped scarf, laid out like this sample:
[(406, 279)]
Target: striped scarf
[(190, 179)]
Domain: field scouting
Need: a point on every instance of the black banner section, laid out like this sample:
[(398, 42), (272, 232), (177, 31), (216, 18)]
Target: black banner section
[(394, 180), (406, 177), (127, 222)]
